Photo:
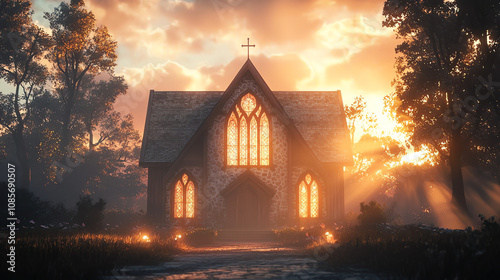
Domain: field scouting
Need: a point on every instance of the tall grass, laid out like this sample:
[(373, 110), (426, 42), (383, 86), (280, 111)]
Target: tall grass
[(420, 252), (49, 255)]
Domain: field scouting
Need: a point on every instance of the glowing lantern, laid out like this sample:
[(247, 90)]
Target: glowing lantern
[(329, 237)]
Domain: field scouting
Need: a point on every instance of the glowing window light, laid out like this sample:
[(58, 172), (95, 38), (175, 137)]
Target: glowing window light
[(314, 200), (308, 179), (184, 200), (303, 201), (248, 134), (264, 140), (258, 111), (248, 103), (253, 142), (308, 197), (178, 200), (190, 200), (232, 141), (243, 142)]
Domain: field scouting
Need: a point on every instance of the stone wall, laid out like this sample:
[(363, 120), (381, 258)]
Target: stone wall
[(220, 176), (210, 203)]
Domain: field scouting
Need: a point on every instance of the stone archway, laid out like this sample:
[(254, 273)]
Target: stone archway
[(247, 202)]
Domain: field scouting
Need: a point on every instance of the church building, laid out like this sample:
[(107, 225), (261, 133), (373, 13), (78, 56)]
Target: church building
[(247, 157)]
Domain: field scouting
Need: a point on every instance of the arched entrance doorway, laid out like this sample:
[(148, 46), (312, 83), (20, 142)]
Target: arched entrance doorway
[(247, 202)]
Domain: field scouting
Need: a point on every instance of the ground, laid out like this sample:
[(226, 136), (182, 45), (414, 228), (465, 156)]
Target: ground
[(241, 261)]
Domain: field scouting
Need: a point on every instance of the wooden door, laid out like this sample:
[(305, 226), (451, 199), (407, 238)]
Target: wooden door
[(248, 208)]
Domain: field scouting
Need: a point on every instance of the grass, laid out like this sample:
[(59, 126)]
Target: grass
[(49, 255), (419, 252)]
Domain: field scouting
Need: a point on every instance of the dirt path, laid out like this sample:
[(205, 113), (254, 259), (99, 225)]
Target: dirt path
[(240, 261)]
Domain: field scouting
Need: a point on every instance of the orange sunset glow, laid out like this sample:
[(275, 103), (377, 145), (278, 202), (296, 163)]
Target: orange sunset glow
[(196, 45), (299, 46), (250, 139)]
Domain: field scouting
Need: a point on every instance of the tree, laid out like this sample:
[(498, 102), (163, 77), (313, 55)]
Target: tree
[(81, 48), (22, 45), (356, 113), (353, 113), (448, 50), (91, 215), (95, 108), (372, 214)]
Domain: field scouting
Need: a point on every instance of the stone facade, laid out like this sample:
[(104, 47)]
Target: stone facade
[(296, 122), (220, 176)]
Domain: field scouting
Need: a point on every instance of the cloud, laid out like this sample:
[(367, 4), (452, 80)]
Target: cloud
[(351, 35), (371, 69), (280, 72), (362, 6), (196, 45)]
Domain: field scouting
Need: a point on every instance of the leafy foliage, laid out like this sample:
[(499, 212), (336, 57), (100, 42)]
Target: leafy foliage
[(434, 253), (200, 236), (371, 214), (90, 214), (447, 48), (292, 236), (34, 211), (82, 50), (22, 46)]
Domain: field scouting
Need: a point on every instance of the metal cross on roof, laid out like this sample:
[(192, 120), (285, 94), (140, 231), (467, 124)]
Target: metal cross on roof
[(248, 47)]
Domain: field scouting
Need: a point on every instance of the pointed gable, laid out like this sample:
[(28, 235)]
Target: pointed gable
[(176, 119)]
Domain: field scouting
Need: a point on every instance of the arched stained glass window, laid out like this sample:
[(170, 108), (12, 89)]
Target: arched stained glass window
[(308, 197), (184, 199), (248, 134)]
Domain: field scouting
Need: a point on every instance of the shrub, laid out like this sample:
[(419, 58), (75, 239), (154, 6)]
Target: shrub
[(435, 253), (91, 214), (33, 211), (371, 214), (200, 236), (290, 236)]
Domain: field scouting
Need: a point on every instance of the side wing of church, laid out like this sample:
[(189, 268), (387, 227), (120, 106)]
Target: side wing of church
[(247, 157)]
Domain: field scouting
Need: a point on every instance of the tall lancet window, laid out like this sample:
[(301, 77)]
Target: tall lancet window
[(308, 197), (184, 197), (248, 134)]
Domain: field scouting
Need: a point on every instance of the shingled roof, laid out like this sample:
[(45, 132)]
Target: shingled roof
[(174, 117), (319, 117)]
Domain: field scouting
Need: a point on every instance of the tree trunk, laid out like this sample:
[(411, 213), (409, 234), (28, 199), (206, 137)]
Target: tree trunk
[(22, 156), (91, 138), (457, 181), (65, 133)]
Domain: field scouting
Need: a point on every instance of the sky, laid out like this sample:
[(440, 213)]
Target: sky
[(196, 45)]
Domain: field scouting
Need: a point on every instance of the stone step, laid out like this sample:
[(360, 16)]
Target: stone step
[(245, 235)]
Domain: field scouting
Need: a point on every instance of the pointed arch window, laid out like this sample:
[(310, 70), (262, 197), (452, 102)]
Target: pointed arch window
[(184, 197), (308, 197), (248, 134)]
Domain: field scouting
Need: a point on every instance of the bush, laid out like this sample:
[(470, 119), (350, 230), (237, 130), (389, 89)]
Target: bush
[(371, 214), (200, 236), (299, 237), (32, 212), (435, 253), (90, 214)]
